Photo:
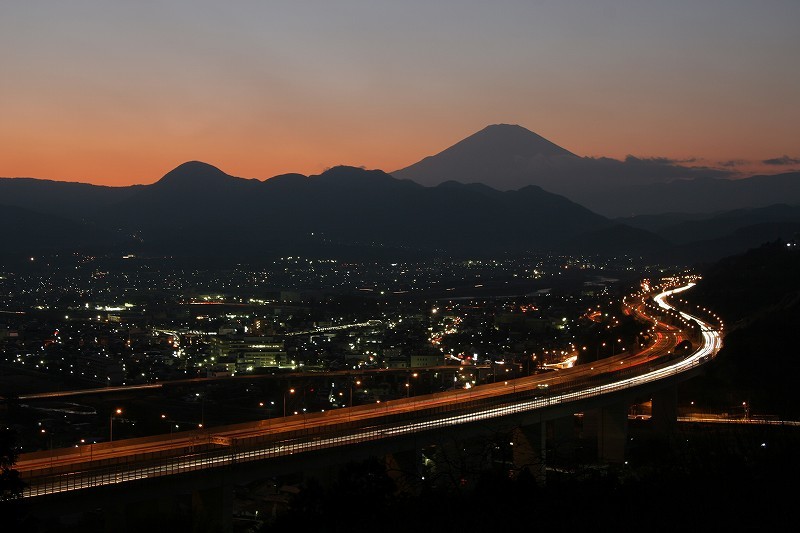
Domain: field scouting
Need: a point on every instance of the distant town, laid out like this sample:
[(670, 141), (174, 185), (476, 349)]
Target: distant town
[(335, 333)]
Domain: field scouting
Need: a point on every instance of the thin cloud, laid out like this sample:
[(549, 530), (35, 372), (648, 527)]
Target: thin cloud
[(659, 160), (668, 167), (733, 163), (783, 160)]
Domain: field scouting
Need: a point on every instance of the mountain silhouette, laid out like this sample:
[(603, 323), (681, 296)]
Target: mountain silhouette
[(509, 157), (500, 155), (195, 174), (189, 194), (68, 199), (620, 239), (33, 232), (198, 209), (729, 222), (710, 195)]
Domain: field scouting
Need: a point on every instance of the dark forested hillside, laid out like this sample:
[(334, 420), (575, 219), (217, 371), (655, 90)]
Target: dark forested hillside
[(758, 295)]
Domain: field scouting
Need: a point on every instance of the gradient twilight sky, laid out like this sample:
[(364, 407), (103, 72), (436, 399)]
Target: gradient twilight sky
[(120, 92)]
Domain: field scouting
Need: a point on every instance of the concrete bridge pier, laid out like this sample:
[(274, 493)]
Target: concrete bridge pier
[(457, 458), (154, 514), (115, 517), (326, 474), (562, 437), (212, 509), (529, 450), (610, 425), (402, 467), (664, 414)]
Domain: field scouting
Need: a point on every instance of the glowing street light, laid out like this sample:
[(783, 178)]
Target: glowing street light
[(169, 422), (291, 391), (117, 411)]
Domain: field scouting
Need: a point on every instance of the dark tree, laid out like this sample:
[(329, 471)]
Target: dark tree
[(11, 484)]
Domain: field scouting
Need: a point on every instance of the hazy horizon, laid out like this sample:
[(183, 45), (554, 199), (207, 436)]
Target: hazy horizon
[(120, 93)]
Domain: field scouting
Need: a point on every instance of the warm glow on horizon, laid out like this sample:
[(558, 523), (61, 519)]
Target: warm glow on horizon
[(242, 158), (309, 155), (121, 93)]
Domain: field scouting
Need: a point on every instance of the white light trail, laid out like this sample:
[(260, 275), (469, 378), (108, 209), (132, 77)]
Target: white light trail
[(712, 342)]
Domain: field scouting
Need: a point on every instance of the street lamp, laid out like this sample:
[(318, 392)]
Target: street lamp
[(169, 422), (202, 408), (350, 406), (408, 385), (357, 383), (117, 411), (49, 434), (291, 391)]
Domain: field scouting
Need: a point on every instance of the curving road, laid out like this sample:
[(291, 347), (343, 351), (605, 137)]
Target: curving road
[(126, 460)]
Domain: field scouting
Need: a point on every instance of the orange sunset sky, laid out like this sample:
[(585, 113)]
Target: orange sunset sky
[(119, 93)]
